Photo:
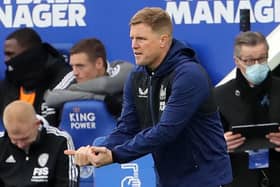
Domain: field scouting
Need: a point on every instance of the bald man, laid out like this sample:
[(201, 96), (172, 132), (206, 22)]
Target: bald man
[(32, 151)]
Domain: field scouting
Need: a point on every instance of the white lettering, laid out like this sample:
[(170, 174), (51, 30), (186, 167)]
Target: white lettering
[(202, 13), (218, 11), (263, 13), (23, 17), (40, 171), (7, 2), (183, 12), (226, 12), (42, 15), (6, 16), (80, 117), (77, 13), (24, 1), (83, 125), (59, 20)]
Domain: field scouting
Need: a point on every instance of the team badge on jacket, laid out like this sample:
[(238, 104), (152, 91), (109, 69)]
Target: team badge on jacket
[(40, 174), (162, 98)]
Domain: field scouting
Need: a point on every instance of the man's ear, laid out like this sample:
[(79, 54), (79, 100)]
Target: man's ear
[(164, 39), (99, 63), (235, 59)]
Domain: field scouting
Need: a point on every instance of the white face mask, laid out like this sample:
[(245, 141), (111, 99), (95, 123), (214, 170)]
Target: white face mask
[(257, 73)]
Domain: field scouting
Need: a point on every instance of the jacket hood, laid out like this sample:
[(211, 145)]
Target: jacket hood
[(29, 69), (178, 53)]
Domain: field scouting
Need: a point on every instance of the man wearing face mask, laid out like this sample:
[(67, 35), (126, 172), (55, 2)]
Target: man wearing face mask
[(32, 68), (251, 98)]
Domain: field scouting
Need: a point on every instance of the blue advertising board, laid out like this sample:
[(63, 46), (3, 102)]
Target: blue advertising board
[(209, 26)]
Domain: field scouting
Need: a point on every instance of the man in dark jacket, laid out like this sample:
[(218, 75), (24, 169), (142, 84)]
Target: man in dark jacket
[(251, 98), (32, 151), (32, 68), (168, 111)]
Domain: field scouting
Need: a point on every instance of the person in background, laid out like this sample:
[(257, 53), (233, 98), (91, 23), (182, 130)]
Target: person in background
[(94, 77), (168, 111), (32, 151), (32, 68), (251, 98)]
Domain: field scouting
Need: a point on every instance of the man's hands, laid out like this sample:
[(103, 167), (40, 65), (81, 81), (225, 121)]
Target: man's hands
[(233, 140), (274, 137), (97, 156), (236, 140)]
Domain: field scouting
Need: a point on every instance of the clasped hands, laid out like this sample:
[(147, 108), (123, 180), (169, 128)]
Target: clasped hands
[(235, 140), (96, 156)]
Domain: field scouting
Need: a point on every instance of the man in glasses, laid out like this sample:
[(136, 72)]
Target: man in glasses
[(251, 98)]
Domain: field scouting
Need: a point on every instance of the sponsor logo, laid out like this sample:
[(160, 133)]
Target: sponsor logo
[(40, 174), (82, 120), (143, 92), (10, 159)]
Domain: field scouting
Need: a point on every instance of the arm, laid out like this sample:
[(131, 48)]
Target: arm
[(66, 172), (106, 84), (56, 98), (190, 88)]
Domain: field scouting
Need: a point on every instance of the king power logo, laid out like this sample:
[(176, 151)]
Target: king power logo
[(82, 120), (43, 13)]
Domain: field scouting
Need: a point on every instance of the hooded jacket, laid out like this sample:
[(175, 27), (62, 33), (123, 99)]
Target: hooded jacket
[(169, 112), (36, 69)]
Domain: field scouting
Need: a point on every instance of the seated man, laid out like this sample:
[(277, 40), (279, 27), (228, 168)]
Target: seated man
[(251, 98), (32, 68), (32, 151), (95, 79)]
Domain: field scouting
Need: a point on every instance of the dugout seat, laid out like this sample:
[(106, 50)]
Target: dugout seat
[(86, 120)]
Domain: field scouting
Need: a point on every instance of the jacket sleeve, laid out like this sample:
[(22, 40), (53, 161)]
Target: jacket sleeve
[(190, 87), (106, 84), (66, 172), (56, 98), (127, 125)]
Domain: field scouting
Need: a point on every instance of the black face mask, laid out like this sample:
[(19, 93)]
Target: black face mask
[(28, 68)]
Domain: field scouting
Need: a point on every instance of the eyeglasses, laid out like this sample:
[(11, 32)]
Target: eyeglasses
[(252, 61)]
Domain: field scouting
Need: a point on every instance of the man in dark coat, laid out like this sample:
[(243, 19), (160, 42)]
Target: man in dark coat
[(32, 68)]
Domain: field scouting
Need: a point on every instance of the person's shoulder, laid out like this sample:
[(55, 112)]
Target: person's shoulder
[(56, 133), (119, 66), (225, 89)]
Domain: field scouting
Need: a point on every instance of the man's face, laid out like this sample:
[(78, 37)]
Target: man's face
[(12, 49), (83, 68), (23, 135), (250, 55), (145, 44)]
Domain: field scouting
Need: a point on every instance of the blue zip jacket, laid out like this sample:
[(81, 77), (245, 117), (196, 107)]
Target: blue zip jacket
[(170, 114)]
